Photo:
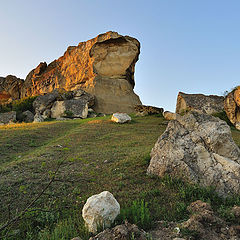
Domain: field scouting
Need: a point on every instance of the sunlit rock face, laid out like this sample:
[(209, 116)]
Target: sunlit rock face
[(10, 87), (103, 66), (232, 107)]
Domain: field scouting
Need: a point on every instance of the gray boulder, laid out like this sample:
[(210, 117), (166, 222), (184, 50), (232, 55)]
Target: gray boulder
[(200, 148), (8, 117), (43, 102), (38, 118), (74, 108), (199, 102), (28, 116)]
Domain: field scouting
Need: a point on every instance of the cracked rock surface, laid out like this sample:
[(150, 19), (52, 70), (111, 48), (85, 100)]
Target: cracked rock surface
[(200, 148)]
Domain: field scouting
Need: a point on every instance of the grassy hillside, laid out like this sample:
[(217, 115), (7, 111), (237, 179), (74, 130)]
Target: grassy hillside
[(88, 156)]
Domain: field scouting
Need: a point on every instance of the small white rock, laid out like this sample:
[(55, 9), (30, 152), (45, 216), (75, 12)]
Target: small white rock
[(100, 211), (120, 118)]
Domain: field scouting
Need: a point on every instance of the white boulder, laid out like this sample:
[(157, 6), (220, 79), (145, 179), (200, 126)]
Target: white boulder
[(100, 210), (120, 118)]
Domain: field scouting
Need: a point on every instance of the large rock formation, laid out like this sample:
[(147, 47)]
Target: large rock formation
[(200, 148), (232, 107), (103, 66), (10, 87), (199, 102)]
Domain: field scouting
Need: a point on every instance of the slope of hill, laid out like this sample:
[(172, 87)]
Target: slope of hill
[(86, 157)]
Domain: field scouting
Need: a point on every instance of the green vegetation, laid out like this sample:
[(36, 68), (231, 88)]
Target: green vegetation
[(19, 106), (222, 115), (94, 155)]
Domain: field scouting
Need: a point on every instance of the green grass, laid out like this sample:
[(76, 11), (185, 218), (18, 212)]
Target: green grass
[(95, 155)]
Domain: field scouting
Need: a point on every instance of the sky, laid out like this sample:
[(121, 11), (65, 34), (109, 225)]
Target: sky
[(191, 46)]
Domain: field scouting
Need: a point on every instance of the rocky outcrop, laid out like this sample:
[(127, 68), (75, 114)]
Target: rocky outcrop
[(121, 118), (76, 108), (170, 115), (232, 107), (199, 102), (125, 231), (200, 148), (147, 110), (60, 103), (103, 66), (100, 211), (10, 87), (8, 117)]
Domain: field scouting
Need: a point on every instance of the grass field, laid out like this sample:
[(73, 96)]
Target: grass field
[(91, 156)]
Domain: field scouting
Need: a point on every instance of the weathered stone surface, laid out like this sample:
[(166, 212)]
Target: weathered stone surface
[(38, 118), (10, 87), (44, 102), (199, 102), (125, 231), (7, 117), (100, 211), (70, 108), (103, 66), (232, 107), (28, 116), (148, 110), (170, 115), (200, 148), (121, 118)]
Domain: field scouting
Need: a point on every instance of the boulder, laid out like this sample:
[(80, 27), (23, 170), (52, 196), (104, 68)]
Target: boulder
[(10, 88), (28, 116), (100, 211), (232, 107), (44, 102), (8, 117), (74, 108), (125, 231), (170, 115), (103, 66), (121, 118), (200, 148), (38, 118), (147, 110), (199, 102)]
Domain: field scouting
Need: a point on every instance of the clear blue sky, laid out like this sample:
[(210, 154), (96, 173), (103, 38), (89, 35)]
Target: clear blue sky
[(186, 45)]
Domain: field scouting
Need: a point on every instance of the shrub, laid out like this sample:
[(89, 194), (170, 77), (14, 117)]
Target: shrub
[(138, 213), (23, 104)]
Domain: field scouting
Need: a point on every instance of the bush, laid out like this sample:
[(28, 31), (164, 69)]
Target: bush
[(23, 104)]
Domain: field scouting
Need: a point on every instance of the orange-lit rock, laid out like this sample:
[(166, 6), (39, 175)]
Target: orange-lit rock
[(10, 87), (103, 66), (232, 106)]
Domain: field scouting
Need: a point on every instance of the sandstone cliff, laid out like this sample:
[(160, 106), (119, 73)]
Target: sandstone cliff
[(199, 102), (103, 66)]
